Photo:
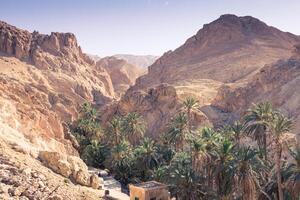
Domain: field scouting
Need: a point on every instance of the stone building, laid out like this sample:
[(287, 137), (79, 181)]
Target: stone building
[(150, 190)]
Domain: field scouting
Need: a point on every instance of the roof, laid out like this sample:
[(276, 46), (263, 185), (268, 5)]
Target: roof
[(150, 185)]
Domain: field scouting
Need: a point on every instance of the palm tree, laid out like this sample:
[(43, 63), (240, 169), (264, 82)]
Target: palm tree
[(147, 157), (184, 183), (247, 176), (278, 126), (200, 157), (95, 154), (88, 123), (121, 161), (114, 130), (189, 104), (291, 174), (177, 131), (256, 124), (238, 130), (133, 127), (224, 170)]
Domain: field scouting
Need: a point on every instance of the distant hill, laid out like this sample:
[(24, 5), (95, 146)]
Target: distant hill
[(122, 73), (138, 60)]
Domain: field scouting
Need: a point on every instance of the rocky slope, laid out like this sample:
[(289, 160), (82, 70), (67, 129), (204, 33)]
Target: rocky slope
[(231, 51), (23, 177), (43, 80), (157, 106), (122, 73), (142, 61), (278, 83)]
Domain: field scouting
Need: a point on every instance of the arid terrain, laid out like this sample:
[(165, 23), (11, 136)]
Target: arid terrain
[(228, 65)]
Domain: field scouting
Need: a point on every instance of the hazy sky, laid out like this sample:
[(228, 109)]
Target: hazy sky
[(140, 26)]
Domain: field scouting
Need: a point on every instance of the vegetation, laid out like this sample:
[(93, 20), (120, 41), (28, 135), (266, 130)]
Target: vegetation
[(197, 163)]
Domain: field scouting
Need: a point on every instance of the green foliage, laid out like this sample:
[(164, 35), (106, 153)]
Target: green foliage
[(95, 154), (133, 127), (203, 163)]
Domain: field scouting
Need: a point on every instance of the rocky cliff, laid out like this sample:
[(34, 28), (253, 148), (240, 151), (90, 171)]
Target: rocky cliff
[(229, 52), (278, 83), (122, 73), (43, 80)]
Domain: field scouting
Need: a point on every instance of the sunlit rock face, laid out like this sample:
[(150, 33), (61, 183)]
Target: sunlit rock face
[(43, 81), (122, 73), (230, 52)]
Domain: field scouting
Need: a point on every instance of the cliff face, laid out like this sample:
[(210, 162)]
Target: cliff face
[(123, 74), (226, 50), (157, 106), (229, 52), (278, 83), (43, 80)]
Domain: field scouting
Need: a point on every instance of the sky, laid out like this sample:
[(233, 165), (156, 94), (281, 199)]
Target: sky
[(142, 27)]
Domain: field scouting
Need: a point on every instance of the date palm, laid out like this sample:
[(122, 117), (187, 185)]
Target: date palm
[(177, 131), (238, 131), (133, 127), (121, 161), (184, 183), (200, 156), (279, 125), (224, 170), (256, 121), (291, 174), (147, 157), (247, 176), (114, 130), (189, 104)]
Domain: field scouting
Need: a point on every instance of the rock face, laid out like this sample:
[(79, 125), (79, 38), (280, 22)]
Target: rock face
[(231, 52), (226, 50), (23, 177), (43, 81), (70, 167), (123, 74), (157, 106), (278, 83)]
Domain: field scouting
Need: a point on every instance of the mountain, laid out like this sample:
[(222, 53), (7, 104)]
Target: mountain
[(122, 73), (94, 57), (43, 81), (231, 51), (142, 61)]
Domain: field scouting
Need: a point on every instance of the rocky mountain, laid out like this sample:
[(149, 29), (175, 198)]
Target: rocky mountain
[(278, 83), (43, 80), (94, 57), (142, 61), (122, 73), (230, 52)]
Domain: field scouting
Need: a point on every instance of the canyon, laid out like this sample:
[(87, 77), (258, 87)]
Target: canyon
[(227, 66)]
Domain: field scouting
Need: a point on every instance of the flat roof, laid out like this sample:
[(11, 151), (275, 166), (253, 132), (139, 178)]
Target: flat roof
[(150, 185)]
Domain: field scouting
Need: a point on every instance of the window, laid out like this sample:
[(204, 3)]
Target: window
[(136, 198), (154, 198)]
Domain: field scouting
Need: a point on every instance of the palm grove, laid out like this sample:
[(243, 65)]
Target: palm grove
[(196, 163)]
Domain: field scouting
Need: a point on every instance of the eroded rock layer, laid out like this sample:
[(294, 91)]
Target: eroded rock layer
[(43, 81)]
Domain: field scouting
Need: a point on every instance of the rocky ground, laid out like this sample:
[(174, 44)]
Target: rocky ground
[(23, 177)]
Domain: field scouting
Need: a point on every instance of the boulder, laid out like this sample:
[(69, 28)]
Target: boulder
[(57, 162), (95, 181), (69, 167), (82, 177)]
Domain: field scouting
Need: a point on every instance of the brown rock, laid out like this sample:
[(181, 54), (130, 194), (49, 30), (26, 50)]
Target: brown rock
[(122, 73), (82, 177), (94, 181), (57, 162)]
